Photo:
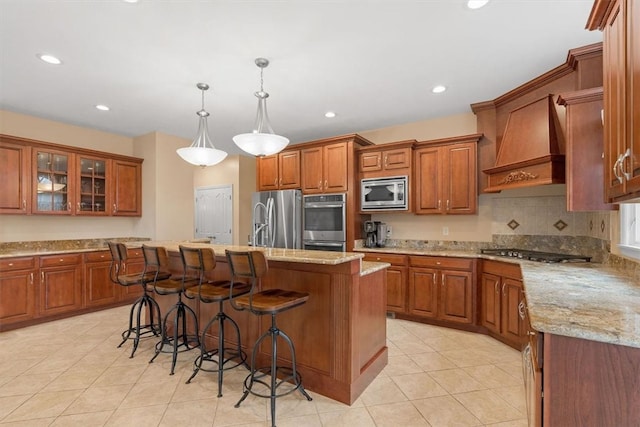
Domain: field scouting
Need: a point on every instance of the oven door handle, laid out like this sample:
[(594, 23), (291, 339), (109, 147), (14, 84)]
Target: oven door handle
[(322, 205), (324, 244)]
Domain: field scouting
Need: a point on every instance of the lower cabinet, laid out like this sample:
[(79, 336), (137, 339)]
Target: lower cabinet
[(503, 302), (396, 280), (18, 289), (98, 288), (60, 284), (442, 288)]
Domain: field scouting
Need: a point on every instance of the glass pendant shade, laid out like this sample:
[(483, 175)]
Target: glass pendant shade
[(202, 152), (262, 141)]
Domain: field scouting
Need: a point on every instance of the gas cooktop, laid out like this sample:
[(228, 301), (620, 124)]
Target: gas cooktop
[(535, 255)]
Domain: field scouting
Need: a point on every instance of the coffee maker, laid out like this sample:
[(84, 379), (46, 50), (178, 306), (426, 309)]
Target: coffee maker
[(370, 234), (375, 234)]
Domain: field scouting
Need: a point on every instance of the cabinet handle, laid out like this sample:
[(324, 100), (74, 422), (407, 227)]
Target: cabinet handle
[(495, 288), (24, 205), (447, 204), (115, 208), (434, 278), (442, 279), (439, 204), (42, 277), (280, 182), (31, 278), (386, 161), (275, 182), (78, 206), (503, 289), (626, 154), (124, 267), (320, 185), (617, 169), (325, 184), (69, 206)]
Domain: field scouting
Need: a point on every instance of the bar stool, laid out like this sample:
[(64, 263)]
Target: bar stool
[(180, 340), (117, 274), (252, 265), (203, 260)]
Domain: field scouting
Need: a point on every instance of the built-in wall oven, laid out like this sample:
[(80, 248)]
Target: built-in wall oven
[(324, 222)]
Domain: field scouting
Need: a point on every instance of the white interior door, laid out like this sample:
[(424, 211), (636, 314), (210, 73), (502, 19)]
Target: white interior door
[(214, 213)]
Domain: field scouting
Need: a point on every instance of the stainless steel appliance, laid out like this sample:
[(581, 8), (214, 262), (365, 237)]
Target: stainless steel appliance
[(277, 219), (384, 194), (324, 222), (548, 257), (381, 234)]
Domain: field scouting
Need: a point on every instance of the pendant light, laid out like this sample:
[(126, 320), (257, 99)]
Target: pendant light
[(262, 141), (201, 152)]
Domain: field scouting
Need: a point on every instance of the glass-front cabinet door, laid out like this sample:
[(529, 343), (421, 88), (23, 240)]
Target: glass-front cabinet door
[(92, 186), (53, 172)]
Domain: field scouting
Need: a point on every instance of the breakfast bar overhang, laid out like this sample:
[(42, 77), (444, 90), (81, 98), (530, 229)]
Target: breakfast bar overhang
[(339, 334)]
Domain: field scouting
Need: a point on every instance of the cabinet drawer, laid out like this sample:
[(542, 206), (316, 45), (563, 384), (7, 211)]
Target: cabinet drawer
[(97, 256), (390, 258), (134, 253), (441, 262), (9, 264), (504, 269), (64, 259)]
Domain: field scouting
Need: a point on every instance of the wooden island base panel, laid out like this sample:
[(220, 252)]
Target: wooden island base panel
[(339, 334)]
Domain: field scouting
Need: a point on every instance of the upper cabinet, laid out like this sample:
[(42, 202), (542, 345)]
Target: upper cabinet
[(325, 168), (51, 179), (445, 176), (620, 22), (15, 170), (127, 188), (391, 159), (279, 171)]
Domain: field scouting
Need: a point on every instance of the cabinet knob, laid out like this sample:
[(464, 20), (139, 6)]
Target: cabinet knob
[(10, 264), (61, 260)]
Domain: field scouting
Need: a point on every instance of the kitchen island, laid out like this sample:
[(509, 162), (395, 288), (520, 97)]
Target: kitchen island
[(339, 334)]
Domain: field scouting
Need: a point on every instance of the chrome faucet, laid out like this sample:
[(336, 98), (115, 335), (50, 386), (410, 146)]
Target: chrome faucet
[(259, 229)]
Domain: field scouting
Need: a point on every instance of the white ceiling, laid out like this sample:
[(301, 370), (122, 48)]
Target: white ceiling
[(372, 62)]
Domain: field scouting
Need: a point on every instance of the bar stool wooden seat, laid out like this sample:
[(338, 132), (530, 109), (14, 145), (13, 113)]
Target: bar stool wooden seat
[(252, 265), (224, 358), (117, 272), (180, 340)]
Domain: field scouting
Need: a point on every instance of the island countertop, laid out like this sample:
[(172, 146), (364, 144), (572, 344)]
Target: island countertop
[(582, 300)]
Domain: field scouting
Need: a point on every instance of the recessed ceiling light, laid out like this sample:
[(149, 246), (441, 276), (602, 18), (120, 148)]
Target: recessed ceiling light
[(102, 107), (476, 4), (439, 89), (329, 114), (130, 1), (49, 59)]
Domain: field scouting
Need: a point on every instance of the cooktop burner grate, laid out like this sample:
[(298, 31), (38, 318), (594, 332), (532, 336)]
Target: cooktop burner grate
[(535, 255)]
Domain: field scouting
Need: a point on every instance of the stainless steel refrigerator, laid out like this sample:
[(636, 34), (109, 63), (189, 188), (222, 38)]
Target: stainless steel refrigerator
[(277, 219)]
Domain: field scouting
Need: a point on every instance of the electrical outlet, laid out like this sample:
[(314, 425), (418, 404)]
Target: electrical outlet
[(445, 231), (388, 230)]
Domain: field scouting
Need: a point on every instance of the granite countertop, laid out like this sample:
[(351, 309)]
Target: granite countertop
[(272, 254), (582, 300), (369, 267)]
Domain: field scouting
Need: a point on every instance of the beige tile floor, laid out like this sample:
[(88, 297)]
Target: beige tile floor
[(70, 373)]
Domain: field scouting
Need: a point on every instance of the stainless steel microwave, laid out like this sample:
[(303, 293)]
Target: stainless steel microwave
[(384, 194)]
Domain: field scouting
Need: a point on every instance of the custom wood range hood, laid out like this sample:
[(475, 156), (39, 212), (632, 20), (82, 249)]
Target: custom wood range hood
[(532, 148)]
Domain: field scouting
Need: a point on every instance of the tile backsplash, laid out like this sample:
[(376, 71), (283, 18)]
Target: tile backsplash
[(546, 215)]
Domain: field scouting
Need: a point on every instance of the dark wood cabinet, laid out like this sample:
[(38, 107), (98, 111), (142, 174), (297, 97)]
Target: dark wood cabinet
[(502, 302), (99, 290), (445, 178), (619, 21), (279, 171), (397, 283), (442, 288), (15, 170), (60, 284), (584, 150), (324, 168), (18, 284), (50, 179), (392, 159), (127, 188)]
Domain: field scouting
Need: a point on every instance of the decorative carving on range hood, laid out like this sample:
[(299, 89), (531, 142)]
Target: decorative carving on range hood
[(532, 149)]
